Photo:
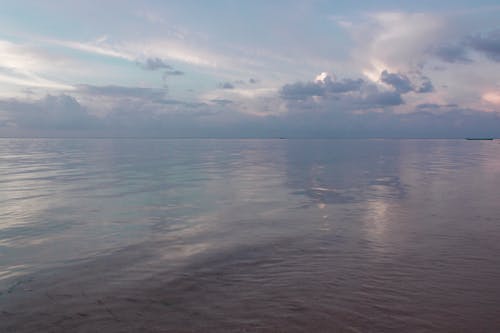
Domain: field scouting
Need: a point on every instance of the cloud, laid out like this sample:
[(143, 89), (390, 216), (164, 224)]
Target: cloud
[(27, 66), (301, 90), (344, 85), (238, 84), (180, 103), (100, 46), (345, 94), (62, 112), (434, 106), (121, 91), (65, 115), (382, 99), (226, 85), (402, 83), (330, 83), (220, 101), (29, 79), (386, 64), (492, 97), (172, 48), (449, 123), (174, 72), (152, 64), (429, 53), (487, 44), (452, 53), (393, 41), (425, 86)]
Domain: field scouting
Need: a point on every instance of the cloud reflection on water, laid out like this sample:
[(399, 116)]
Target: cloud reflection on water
[(198, 196)]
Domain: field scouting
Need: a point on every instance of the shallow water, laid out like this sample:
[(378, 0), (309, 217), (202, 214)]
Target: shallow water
[(249, 235)]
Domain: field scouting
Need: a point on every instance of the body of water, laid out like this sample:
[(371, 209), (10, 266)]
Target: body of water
[(249, 235)]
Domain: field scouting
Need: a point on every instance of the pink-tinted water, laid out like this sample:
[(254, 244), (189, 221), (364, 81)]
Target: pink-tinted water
[(249, 236)]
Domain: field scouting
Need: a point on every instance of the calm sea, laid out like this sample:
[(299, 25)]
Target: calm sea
[(249, 235)]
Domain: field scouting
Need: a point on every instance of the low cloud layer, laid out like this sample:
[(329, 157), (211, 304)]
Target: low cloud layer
[(50, 113), (64, 115), (122, 91)]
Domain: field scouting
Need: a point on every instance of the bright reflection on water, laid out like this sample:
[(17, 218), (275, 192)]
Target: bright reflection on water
[(351, 235)]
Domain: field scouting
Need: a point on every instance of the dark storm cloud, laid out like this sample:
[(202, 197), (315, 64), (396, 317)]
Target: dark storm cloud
[(152, 64), (252, 81), (121, 91), (487, 44)]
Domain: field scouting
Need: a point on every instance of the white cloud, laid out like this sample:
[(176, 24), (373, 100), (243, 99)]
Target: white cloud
[(492, 97), (394, 41), (100, 46), (32, 80), (22, 65), (22, 57), (324, 78), (134, 50)]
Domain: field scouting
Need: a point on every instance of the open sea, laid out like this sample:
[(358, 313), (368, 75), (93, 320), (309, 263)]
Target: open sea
[(205, 235)]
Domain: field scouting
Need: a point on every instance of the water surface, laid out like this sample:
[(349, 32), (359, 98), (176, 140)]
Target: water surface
[(249, 235)]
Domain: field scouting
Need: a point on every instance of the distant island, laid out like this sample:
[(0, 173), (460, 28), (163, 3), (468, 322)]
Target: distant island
[(479, 139)]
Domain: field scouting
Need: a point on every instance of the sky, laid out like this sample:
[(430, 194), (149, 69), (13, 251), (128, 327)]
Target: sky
[(275, 68)]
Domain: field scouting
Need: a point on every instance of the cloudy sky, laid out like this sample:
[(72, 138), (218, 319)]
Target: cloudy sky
[(250, 69)]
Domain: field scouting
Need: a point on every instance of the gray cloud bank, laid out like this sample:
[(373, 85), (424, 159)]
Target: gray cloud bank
[(354, 94), (50, 113), (63, 115), (121, 91)]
